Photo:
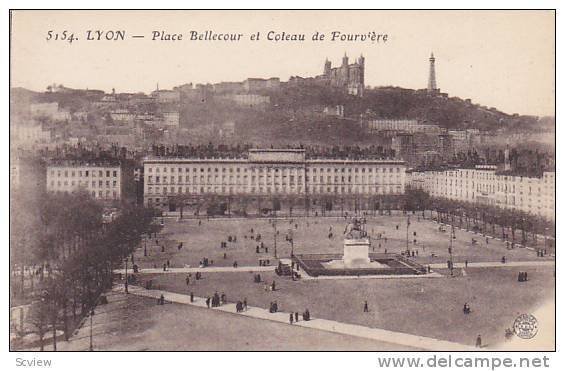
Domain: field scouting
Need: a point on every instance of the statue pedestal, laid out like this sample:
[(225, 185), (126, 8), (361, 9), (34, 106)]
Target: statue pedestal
[(356, 252)]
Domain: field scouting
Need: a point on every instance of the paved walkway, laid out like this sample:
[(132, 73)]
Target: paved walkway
[(375, 276), (516, 244), (535, 263), (201, 270), (248, 269), (399, 338)]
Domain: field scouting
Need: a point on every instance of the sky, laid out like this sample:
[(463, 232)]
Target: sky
[(502, 59)]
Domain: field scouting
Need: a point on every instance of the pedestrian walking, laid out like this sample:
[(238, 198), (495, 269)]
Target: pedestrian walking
[(208, 302), (291, 319), (187, 280), (479, 342), (366, 307), (296, 317), (245, 304), (191, 297)]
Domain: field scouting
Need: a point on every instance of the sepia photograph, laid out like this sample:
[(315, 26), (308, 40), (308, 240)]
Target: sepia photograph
[(282, 180)]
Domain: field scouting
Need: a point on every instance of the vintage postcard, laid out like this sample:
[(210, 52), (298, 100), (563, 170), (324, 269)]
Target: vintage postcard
[(282, 180)]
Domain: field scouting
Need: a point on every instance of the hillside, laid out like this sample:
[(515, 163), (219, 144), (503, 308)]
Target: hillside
[(295, 115)]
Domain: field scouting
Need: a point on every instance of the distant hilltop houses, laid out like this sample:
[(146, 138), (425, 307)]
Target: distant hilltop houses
[(348, 77), (416, 124)]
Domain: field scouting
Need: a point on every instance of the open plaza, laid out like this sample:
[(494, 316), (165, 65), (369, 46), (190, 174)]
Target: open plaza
[(229, 254)]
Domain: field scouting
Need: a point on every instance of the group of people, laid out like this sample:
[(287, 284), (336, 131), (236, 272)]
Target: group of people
[(522, 276), (261, 247), (271, 287), (273, 307), (230, 238), (197, 276), (466, 309), (409, 253), (205, 262), (241, 306), (216, 300)]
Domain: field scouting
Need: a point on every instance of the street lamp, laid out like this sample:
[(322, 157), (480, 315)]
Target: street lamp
[(407, 225), (291, 241), (275, 236), (126, 284), (91, 348), (545, 238), (451, 251)]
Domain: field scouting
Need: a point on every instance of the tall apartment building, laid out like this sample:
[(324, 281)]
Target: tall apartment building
[(102, 180), (484, 185), (29, 135), (408, 126), (270, 172)]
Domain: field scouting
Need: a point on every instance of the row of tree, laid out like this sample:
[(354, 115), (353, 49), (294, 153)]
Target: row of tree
[(481, 217), (63, 255)]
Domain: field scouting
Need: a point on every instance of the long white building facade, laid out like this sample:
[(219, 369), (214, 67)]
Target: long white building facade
[(270, 172), (102, 181), (483, 185)]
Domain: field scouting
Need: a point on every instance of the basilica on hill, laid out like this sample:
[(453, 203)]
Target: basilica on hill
[(348, 76)]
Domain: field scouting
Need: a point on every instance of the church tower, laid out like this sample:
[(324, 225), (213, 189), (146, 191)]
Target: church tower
[(327, 68), (432, 86), (361, 63), (344, 71), (345, 60)]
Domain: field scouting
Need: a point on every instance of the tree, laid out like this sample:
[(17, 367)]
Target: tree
[(38, 316)]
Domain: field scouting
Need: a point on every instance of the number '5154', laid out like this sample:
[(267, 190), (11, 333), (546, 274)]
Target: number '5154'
[(63, 36)]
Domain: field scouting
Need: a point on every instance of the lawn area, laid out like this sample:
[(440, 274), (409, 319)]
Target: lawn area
[(421, 306), (311, 236), (132, 323)]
